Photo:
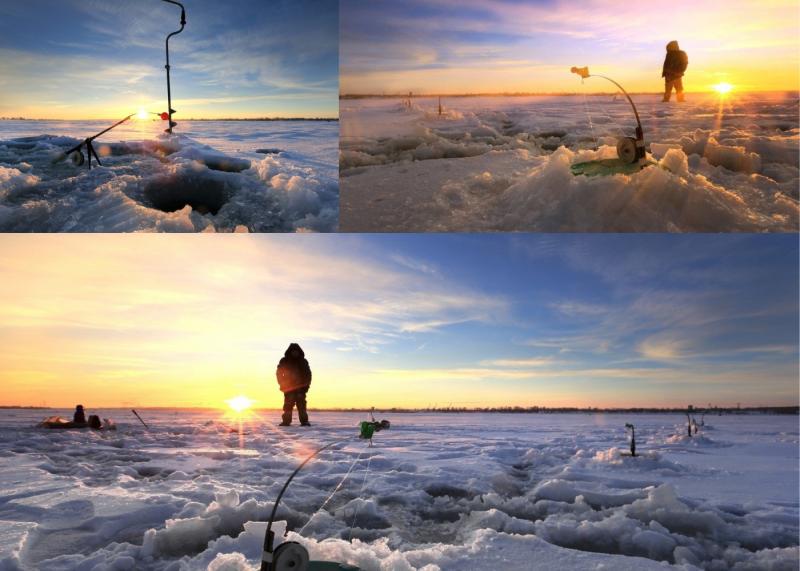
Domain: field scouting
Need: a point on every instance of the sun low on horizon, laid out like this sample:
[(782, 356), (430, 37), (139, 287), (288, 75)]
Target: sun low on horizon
[(397, 321), (75, 60), (504, 46)]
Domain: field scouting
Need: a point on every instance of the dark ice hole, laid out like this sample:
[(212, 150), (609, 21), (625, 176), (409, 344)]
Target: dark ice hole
[(204, 195)]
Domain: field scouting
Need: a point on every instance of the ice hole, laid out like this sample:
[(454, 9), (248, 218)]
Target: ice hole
[(204, 195)]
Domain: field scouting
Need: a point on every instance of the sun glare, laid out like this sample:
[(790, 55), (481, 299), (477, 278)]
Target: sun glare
[(142, 114), (240, 403), (723, 88)]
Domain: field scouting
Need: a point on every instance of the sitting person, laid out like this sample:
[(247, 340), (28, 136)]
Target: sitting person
[(80, 415)]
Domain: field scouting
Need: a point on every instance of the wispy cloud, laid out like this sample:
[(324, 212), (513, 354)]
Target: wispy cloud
[(492, 38)]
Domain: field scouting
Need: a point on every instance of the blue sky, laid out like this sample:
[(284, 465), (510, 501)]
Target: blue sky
[(403, 320), (95, 58), (479, 46)]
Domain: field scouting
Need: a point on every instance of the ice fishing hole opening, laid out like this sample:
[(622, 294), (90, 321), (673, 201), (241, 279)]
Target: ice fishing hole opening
[(204, 195)]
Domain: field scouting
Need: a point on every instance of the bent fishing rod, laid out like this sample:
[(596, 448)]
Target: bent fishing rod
[(291, 554), (170, 110), (629, 149)]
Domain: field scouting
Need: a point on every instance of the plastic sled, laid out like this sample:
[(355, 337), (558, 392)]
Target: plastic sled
[(607, 167), (60, 422)]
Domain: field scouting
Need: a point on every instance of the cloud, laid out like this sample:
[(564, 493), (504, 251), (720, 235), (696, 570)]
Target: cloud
[(519, 363), (238, 290), (662, 349)]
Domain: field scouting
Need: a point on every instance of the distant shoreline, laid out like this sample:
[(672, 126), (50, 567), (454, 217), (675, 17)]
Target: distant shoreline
[(329, 119), (783, 410)]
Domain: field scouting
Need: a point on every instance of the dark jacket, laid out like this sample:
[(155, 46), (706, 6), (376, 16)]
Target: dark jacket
[(675, 63), (293, 371)]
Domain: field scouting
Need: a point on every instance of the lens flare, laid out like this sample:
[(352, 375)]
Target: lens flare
[(723, 88), (240, 403), (142, 114)]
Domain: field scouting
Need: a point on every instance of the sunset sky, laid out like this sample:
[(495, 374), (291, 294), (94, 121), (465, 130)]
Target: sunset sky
[(91, 59), (400, 320), (493, 46)]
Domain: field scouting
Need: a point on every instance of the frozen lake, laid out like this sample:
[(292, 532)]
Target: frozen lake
[(257, 176), (436, 492), (503, 164)]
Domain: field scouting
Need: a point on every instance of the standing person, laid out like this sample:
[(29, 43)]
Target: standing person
[(675, 65), (294, 379)]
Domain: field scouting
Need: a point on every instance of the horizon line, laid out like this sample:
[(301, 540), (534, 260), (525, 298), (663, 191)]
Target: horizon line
[(542, 93), (536, 409), (21, 118)]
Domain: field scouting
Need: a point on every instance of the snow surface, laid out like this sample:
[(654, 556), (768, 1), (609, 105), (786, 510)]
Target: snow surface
[(436, 492), (211, 176), (503, 163)]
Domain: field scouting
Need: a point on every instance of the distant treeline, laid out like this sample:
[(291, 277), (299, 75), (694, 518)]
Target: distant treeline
[(455, 95), (193, 119), (271, 119), (499, 409), (591, 410)]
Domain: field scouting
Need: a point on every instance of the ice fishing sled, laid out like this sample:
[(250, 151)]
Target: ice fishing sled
[(631, 153), (59, 422), (62, 423)]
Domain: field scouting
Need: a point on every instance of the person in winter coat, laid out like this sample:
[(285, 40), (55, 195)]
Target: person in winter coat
[(674, 67), (80, 416), (294, 379)]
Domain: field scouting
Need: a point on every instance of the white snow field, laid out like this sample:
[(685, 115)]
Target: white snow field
[(257, 176), (456, 492), (503, 164)]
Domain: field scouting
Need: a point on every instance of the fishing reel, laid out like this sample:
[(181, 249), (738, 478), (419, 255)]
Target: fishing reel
[(367, 428), (292, 556), (629, 149), (288, 556)]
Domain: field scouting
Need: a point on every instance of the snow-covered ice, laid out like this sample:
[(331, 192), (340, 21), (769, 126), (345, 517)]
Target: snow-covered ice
[(257, 176), (503, 163), (437, 492)]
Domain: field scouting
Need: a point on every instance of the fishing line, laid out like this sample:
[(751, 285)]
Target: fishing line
[(611, 118), (589, 115), (630, 150), (336, 489), (360, 494), (291, 554)]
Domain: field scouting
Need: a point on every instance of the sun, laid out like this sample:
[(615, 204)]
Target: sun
[(723, 88), (240, 403), (142, 114)]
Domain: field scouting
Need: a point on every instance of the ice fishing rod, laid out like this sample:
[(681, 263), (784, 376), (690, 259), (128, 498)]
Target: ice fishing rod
[(629, 426), (75, 153), (291, 554), (170, 110), (629, 149), (140, 419)]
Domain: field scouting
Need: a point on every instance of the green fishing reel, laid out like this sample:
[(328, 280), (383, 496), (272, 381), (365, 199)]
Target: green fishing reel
[(368, 428)]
